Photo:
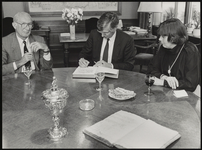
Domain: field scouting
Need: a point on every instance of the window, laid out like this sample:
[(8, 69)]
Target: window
[(177, 9), (194, 14), (168, 10), (180, 9), (173, 9)]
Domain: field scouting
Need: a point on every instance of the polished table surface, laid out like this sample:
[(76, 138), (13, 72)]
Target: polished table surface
[(81, 38), (26, 120)]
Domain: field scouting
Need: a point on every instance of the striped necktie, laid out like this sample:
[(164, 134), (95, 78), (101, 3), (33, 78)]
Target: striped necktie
[(28, 64)]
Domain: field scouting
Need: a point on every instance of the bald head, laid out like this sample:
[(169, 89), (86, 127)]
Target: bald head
[(21, 15), (22, 23)]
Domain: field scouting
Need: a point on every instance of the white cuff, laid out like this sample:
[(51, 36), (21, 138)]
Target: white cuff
[(15, 66), (112, 66), (47, 57), (163, 77)]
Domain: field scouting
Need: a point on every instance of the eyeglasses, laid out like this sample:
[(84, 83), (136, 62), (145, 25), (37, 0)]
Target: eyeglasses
[(24, 25), (104, 32)]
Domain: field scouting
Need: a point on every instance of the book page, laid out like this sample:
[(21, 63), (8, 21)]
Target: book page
[(109, 72), (115, 126), (148, 135), (89, 72), (85, 72)]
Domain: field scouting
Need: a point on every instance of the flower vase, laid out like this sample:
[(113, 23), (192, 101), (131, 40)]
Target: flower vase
[(196, 32), (72, 32)]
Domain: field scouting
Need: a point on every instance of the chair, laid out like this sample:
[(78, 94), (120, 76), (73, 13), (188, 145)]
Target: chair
[(197, 91), (7, 26), (90, 24), (145, 53)]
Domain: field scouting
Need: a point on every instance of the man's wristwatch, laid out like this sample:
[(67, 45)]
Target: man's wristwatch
[(46, 52)]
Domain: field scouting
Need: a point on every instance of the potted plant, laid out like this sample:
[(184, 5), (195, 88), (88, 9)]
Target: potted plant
[(197, 23), (189, 27)]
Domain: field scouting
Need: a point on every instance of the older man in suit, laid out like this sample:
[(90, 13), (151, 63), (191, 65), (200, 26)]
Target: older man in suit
[(108, 46), (21, 47)]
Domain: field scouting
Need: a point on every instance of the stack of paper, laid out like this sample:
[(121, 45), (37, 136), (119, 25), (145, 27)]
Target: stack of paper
[(138, 30), (133, 27), (180, 93), (64, 34)]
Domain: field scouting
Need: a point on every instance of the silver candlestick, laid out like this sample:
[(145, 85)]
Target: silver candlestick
[(55, 99)]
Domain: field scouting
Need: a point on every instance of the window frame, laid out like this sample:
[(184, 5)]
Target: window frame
[(188, 11)]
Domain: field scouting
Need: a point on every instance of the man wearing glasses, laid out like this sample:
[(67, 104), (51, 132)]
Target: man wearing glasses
[(21, 48), (108, 46)]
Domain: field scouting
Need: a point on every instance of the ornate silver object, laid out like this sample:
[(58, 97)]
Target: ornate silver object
[(55, 99)]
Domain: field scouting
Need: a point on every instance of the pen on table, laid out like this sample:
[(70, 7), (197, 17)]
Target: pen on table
[(95, 62)]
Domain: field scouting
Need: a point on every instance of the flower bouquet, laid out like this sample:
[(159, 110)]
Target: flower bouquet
[(73, 15)]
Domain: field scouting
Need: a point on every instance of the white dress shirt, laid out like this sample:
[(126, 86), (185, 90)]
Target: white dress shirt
[(111, 47)]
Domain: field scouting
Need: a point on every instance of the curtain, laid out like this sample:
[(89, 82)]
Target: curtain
[(143, 19)]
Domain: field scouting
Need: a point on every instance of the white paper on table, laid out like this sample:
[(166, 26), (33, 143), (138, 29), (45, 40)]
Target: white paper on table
[(64, 34), (180, 93)]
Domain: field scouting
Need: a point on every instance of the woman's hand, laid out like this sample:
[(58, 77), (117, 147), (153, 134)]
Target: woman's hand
[(158, 81), (172, 82)]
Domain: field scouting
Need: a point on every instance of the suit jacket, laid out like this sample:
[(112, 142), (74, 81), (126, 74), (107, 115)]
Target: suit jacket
[(11, 52), (123, 56)]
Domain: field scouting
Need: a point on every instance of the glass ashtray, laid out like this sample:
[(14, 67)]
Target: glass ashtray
[(86, 104)]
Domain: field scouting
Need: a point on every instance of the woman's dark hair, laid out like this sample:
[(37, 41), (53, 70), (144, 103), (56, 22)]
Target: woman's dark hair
[(174, 29), (106, 18)]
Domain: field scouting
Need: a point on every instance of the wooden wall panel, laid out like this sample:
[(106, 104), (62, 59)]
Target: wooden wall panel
[(61, 26)]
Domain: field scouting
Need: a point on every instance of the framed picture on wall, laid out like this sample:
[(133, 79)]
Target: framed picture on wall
[(55, 8)]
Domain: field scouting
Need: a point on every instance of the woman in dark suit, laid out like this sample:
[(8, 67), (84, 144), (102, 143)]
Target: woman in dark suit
[(121, 51), (177, 63)]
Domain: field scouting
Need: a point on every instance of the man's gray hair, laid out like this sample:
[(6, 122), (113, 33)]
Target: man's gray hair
[(19, 15)]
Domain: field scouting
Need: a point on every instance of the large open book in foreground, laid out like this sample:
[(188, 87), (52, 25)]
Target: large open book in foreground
[(127, 130), (89, 72)]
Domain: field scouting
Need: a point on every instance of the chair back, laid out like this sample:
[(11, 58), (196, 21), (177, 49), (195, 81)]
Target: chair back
[(146, 50), (7, 26), (90, 24), (197, 91)]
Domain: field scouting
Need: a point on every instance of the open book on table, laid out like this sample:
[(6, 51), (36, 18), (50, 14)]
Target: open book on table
[(127, 130), (89, 72)]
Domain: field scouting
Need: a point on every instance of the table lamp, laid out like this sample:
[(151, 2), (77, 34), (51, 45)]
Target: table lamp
[(150, 7)]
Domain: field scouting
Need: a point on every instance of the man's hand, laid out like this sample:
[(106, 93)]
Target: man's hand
[(27, 57), (103, 63), (83, 62), (35, 46)]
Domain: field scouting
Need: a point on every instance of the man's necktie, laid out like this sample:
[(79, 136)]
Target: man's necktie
[(105, 54), (28, 64)]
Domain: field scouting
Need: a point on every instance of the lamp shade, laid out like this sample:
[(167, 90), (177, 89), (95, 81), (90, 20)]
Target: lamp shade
[(150, 7)]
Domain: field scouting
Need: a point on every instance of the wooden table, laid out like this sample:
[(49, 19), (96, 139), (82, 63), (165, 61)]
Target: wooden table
[(26, 120), (81, 39)]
